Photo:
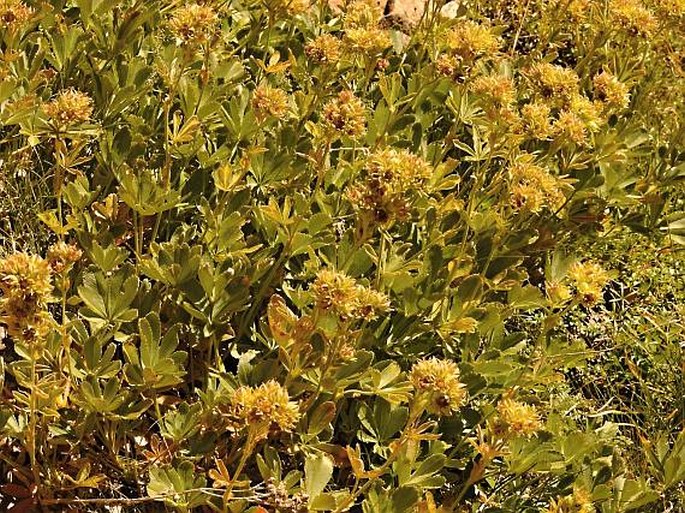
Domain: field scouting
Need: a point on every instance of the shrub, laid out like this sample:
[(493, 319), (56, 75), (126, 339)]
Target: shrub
[(270, 256)]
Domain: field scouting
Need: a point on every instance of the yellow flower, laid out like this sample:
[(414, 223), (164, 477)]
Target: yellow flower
[(26, 275), (518, 418), (325, 49), (579, 9), (269, 101), (14, 14), (447, 65), (69, 108), (401, 167), (367, 41), (557, 292), (553, 81), (470, 40), (533, 188), (346, 115), (437, 382), (391, 175), (341, 294), (362, 14), (633, 16), (536, 118), (588, 279), (497, 90), (611, 91), (26, 285), (263, 408), (570, 127), (194, 24), (61, 256)]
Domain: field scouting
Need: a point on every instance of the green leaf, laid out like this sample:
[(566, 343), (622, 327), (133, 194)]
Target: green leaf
[(318, 470)]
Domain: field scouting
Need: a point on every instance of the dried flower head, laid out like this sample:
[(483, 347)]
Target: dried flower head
[(26, 286), (69, 108), (588, 279), (470, 40), (392, 176), (533, 188), (344, 115), (611, 91), (516, 418), (552, 81), (367, 41), (263, 408), (269, 101), (341, 294), (633, 16), (14, 14), (325, 49), (437, 382), (447, 65), (61, 256), (362, 14), (537, 119), (194, 24)]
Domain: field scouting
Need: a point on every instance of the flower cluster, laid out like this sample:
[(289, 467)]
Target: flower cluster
[(69, 108), (537, 119), (62, 256), (494, 90), (633, 16), (344, 115), (390, 175), (533, 188), (515, 418), (26, 285), (588, 279), (194, 24), (362, 34), (14, 14), (262, 409), (362, 14), (341, 294), (611, 91), (325, 49), (269, 101), (470, 40), (553, 82), (437, 383), (367, 41)]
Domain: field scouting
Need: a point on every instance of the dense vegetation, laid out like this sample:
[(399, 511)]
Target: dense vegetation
[(271, 256)]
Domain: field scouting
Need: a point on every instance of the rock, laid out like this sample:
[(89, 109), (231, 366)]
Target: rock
[(450, 10), (405, 12)]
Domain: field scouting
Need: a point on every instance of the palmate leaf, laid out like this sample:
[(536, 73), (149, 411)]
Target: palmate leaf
[(144, 195), (172, 484), (386, 380), (107, 299), (155, 364)]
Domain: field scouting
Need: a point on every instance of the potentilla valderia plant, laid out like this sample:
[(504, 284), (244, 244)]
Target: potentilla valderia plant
[(286, 256)]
